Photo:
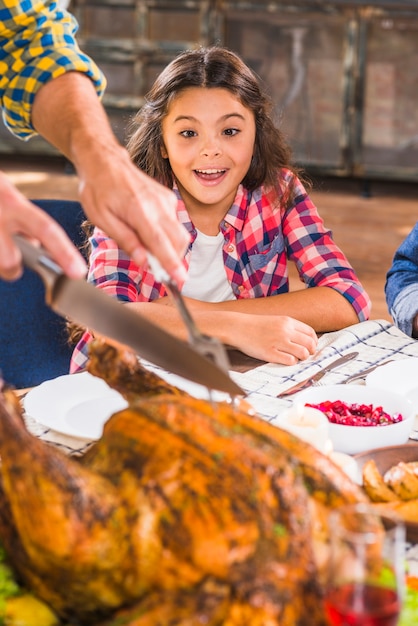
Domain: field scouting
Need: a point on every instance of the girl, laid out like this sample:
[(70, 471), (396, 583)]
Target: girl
[(205, 130)]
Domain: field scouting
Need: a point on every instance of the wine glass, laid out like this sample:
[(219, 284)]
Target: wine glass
[(365, 575)]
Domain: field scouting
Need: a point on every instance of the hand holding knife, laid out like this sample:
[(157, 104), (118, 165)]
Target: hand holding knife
[(93, 308)]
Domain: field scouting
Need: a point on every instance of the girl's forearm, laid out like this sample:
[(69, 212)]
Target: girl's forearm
[(209, 322), (272, 338), (323, 308)]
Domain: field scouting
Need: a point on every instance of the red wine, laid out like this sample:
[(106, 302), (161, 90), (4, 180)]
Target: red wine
[(362, 605)]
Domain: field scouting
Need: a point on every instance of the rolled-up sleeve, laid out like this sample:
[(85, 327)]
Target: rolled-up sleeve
[(36, 45), (320, 262)]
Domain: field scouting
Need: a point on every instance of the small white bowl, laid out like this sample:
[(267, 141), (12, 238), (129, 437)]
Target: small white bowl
[(356, 439), (307, 424)]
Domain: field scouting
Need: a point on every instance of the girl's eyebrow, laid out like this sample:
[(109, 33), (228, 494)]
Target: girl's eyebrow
[(224, 118)]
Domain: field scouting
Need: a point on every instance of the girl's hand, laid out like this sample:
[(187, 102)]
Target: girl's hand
[(276, 339), (272, 338)]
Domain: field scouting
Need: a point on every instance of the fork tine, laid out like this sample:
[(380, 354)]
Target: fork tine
[(207, 346), (213, 349)]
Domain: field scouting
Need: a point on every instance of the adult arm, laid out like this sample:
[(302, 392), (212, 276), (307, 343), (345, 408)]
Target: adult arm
[(36, 46), (132, 208), (401, 287), (48, 86)]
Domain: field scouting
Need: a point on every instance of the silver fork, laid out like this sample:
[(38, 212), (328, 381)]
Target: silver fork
[(364, 373), (209, 347), (354, 377)]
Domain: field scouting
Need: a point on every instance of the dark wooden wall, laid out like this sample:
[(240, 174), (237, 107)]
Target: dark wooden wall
[(343, 74)]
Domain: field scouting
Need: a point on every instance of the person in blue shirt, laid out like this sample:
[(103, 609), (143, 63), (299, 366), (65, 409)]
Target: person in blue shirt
[(401, 287)]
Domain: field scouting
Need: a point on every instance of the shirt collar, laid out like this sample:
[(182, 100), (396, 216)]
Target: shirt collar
[(235, 217), (237, 214)]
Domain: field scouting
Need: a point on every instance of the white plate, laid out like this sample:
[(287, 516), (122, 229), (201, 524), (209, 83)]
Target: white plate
[(75, 404), (400, 376), (194, 389)]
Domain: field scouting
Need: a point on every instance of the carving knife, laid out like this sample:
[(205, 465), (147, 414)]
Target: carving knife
[(94, 309)]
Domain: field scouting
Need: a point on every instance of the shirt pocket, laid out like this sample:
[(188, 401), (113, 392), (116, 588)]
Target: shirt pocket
[(267, 270), (266, 255)]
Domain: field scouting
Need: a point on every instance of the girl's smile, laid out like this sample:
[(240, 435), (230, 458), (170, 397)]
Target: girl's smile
[(209, 139), (209, 176)]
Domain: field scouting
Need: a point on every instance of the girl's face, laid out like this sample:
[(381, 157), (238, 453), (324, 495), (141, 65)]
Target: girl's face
[(209, 140)]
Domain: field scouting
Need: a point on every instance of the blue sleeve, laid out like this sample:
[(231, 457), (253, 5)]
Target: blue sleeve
[(401, 287)]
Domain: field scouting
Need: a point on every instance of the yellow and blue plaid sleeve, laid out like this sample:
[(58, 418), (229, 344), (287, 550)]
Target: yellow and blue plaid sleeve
[(37, 44)]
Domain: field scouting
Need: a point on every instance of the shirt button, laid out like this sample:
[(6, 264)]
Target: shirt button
[(230, 248)]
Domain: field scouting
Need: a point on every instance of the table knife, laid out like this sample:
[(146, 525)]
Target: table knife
[(94, 309), (316, 377)]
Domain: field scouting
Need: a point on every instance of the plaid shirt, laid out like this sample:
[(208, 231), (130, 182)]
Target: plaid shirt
[(259, 239), (36, 44)]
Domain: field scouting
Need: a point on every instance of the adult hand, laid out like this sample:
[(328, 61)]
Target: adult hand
[(19, 216), (129, 206), (132, 208)]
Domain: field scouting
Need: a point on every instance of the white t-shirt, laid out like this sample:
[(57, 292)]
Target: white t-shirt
[(206, 279)]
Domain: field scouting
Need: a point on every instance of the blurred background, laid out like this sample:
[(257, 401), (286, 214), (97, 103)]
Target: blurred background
[(343, 74), (344, 79)]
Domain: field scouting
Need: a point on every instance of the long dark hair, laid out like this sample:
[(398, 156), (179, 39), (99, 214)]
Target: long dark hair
[(210, 67)]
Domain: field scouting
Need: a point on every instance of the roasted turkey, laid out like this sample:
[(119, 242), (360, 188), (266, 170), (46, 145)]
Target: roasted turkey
[(184, 512)]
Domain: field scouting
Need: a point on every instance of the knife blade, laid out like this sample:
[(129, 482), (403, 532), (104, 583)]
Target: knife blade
[(91, 307), (316, 377)]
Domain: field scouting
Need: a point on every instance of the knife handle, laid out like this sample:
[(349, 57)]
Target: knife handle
[(37, 259), (312, 380)]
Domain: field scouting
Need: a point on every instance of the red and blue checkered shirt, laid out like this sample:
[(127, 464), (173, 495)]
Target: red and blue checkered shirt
[(259, 240), (37, 44)]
